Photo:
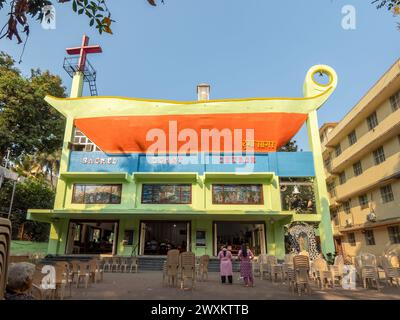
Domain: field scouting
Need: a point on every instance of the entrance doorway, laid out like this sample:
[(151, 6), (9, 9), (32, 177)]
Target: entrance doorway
[(92, 237), (234, 233), (157, 237)]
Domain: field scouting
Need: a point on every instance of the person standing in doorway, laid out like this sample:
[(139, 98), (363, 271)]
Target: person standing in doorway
[(245, 256), (225, 258)]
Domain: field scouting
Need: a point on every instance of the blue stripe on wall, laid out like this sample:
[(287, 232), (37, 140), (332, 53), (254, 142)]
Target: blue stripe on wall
[(284, 164)]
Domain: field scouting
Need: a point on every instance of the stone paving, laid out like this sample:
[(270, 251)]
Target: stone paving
[(148, 286)]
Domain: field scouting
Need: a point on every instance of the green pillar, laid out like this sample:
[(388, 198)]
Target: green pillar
[(76, 91), (279, 236), (270, 239), (321, 193)]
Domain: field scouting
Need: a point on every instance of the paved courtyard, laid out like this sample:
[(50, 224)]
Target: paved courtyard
[(148, 286)]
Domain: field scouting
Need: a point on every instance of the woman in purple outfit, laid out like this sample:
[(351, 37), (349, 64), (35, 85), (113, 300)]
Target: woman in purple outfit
[(225, 258), (245, 256)]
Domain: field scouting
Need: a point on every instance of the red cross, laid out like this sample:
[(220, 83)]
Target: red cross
[(83, 50)]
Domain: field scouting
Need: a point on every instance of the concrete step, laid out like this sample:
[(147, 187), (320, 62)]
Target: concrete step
[(146, 263)]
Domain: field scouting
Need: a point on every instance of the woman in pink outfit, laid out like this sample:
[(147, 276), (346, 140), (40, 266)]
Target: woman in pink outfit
[(225, 258), (245, 255)]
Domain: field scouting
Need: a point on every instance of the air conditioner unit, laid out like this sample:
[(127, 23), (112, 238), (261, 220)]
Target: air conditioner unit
[(371, 217), (349, 222)]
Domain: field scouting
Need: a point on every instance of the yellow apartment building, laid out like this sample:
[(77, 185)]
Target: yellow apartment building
[(361, 156)]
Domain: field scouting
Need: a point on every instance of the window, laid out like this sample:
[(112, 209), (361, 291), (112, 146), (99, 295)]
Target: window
[(387, 194), (97, 193), (342, 177), (328, 164), (372, 121), (379, 155), (237, 194), (167, 193), (395, 101), (335, 216), (352, 138), (369, 237), (346, 207), (338, 150), (331, 189), (363, 200), (351, 238), (357, 168), (297, 194), (394, 234)]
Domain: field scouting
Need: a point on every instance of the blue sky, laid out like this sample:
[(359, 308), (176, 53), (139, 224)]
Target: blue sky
[(243, 48)]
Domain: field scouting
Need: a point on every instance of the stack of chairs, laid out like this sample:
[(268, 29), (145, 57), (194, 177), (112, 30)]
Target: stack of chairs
[(5, 240), (322, 275), (187, 266), (367, 269), (171, 268), (202, 267), (299, 277)]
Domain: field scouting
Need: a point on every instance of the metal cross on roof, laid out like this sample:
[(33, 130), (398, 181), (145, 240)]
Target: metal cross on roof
[(83, 50)]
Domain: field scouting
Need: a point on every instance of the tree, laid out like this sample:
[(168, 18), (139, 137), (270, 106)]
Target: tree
[(391, 5), (31, 193), (27, 123), (290, 146), (19, 10)]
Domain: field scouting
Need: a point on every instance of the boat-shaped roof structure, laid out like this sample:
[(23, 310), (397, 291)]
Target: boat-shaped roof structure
[(122, 125)]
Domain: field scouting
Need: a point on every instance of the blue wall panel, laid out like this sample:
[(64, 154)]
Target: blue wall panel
[(285, 164)]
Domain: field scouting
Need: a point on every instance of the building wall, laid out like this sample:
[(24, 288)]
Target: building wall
[(374, 177)]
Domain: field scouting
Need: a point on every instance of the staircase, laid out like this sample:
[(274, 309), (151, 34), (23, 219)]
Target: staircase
[(146, 263), (149, 263)]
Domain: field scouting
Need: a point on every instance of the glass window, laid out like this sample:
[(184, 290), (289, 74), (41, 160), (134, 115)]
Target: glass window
[(346, 207), (342, 177), (387, 193), (363, 200), (167, 193), (335, 216), (372, 121), (338, 150), (395, 101), (352, 138), (351, 238), (97, 193), (331, 189), (369, 237), (237, 194), (394, 234), (357, 168), (297, 194), (379, 155)]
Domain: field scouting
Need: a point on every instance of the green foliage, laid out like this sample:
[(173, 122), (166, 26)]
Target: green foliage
[(31, 193), (96, 11), (290, 146), (389, 4), (27, 123)]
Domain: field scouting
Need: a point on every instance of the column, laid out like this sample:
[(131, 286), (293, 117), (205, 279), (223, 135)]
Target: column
[(321, 193)]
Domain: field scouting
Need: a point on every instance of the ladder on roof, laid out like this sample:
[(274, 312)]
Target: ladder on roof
[(93, 88)]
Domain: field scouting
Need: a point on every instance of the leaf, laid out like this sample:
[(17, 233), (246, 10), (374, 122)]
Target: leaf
[(74, 6), (91, 22), (80, 11)]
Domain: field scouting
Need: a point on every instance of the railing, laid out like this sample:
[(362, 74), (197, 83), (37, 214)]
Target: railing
[(71, 66)]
